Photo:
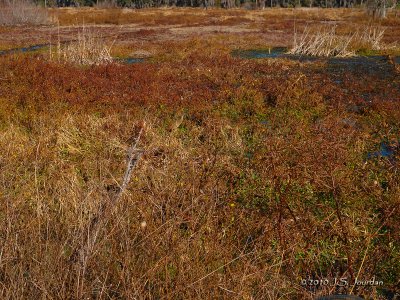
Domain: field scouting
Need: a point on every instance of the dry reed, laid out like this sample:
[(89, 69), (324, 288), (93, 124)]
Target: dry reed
[(87, 49), (327, 42), (22, 12)]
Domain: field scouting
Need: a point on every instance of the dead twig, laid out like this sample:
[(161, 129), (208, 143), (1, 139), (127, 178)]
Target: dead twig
[(100, 218)]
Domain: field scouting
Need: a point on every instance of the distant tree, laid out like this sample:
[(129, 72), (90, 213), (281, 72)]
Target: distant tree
[(375, 8), (208, 3), (227, 3), (379, 8)]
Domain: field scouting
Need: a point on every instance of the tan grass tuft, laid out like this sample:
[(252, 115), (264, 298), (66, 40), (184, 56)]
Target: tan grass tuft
[(22, 12), (88, 49), (327, 42)]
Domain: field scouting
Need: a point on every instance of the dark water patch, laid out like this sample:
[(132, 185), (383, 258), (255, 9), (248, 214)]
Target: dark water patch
[(131, 60), (260, 53), (23, 49), (367, 65), (277, 52), (367, 78), (386, 150), (34, 47), (301, 58), (281, 52), (128, 60)]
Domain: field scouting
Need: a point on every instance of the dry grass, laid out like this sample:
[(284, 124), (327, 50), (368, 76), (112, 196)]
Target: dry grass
[(324, 43), (20, 12), (370, 38), (87, 49), (254, 174), (327, 42), (200, 17), (250, 180), (154, 28)]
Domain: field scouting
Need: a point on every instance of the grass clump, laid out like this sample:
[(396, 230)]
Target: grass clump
[(87, 49), (328, 42), (22, 12)]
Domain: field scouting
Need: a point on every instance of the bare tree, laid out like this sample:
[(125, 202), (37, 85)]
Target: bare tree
[(379, 8)]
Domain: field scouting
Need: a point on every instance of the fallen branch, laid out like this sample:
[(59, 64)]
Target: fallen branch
[(82, 254)]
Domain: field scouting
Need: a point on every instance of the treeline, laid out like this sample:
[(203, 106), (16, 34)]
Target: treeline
[(249, 4)]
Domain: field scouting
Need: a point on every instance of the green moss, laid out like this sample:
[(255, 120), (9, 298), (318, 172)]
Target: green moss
[(368, 52)]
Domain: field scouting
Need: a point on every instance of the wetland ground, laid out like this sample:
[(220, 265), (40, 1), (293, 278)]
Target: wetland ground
[(254, 174)]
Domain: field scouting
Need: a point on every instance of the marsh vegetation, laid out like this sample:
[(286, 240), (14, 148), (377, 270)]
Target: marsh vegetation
[(245, 175)]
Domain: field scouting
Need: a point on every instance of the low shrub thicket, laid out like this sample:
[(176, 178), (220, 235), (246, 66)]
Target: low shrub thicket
[(254, 175)]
